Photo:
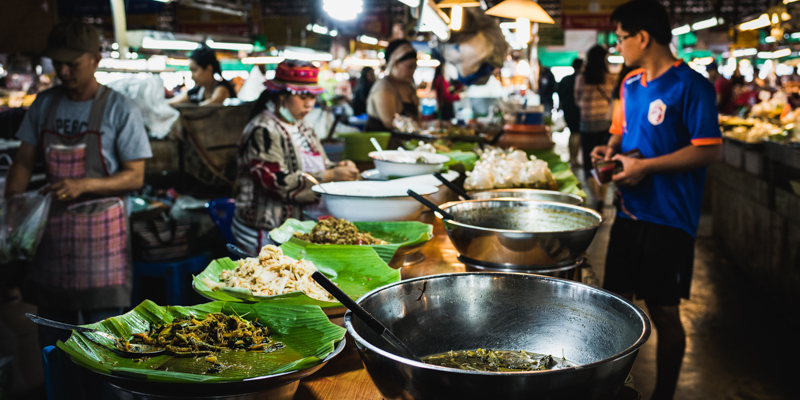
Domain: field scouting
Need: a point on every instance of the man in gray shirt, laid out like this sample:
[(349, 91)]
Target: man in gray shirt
[(93, 143)]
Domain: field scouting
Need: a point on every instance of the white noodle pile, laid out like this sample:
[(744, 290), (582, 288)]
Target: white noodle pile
[(505, 169), (272, 274)]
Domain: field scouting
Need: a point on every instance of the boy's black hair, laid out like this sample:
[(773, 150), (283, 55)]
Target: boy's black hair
[(645, 15)]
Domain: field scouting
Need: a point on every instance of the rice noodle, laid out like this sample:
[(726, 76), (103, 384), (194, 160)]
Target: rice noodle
[(273, 273)]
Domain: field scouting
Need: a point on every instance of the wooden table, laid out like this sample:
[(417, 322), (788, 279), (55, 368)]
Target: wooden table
[(344, 377)]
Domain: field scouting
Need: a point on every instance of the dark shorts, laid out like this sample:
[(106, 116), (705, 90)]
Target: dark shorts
[(651, 260)]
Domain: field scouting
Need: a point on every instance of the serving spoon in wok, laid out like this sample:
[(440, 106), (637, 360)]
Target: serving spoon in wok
[(452, 186), (137, 350), (433, 207), (363, 315)]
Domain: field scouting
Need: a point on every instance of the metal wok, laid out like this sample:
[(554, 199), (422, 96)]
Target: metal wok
[(528, 194), (595, 329), (520, 234)]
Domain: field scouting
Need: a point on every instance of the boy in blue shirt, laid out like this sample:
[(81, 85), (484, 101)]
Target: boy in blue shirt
[(668, 113)]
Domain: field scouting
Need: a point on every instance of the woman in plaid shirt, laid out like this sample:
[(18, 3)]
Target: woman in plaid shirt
[(277, 149), (593, 88)]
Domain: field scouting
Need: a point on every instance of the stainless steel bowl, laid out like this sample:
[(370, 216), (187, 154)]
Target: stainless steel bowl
[(528, 194), (520, 234), (595, 329)]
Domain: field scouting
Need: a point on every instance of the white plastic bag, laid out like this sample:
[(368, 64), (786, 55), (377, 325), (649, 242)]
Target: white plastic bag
[(22, 222), (148, 94)]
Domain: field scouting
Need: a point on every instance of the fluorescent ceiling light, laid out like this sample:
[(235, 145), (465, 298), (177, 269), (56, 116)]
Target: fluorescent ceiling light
[(703, 61), (303, 56), (781, 53), (367, 39), (428, 63), (150, 43), (681, 30), (433, 20), (343, 10), (178, 61), (411, 3), (334, 32), (322, 30), (769, 39), (796, 35), (455, 18), (508, 25), (229, 46), (707, 23), (744, 52), (788, 1), (758, 23), (616, 59), (765, 54), (262, 60)]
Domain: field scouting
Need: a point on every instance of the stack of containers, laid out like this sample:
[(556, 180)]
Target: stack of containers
[(525, 128)]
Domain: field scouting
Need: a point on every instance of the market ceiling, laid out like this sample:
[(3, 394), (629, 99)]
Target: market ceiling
[(682, 11)]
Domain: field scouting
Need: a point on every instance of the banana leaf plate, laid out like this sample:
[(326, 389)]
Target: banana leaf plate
[(399, 234), (357, 270), (310, 338)]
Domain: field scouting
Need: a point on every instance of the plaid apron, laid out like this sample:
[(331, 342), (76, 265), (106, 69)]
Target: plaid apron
[(85, 243)]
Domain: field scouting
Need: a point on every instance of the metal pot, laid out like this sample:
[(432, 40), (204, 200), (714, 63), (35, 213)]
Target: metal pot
[(528, 194), (595, 329), (520, 234)]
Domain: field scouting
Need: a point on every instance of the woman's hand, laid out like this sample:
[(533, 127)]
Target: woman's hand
[(345, 171)]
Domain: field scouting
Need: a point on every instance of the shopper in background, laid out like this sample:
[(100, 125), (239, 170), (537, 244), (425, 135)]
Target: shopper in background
[(444, 97), (209, 86), (722, 87), (276, 152), (572, 112), (593, 89), (365, 82), (547, 87), (669, 115), (395, 94)]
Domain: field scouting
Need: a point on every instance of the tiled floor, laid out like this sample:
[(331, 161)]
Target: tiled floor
[(739, 343)]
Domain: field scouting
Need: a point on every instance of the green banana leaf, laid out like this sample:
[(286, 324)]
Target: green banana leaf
[(396, 233), (355, 269), (306, 331), (565, 178)]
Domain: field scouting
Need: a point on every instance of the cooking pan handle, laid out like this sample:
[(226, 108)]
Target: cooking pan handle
[(430, 205)]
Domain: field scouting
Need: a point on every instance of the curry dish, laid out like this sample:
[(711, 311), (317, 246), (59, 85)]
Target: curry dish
[(337, 231), (495, 360)]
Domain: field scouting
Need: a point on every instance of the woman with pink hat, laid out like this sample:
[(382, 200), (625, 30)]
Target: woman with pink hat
[(277, 151)]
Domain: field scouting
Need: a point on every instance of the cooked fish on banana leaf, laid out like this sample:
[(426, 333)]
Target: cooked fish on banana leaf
[(217, 332)]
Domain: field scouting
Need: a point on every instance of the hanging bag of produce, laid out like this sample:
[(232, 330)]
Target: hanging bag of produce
[(23, 219)]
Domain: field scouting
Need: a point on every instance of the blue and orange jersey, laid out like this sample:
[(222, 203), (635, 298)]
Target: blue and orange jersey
[(659, 117)]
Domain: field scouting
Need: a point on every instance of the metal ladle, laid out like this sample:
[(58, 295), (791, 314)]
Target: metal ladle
[(138, 350), (364, 316), (433, 207)]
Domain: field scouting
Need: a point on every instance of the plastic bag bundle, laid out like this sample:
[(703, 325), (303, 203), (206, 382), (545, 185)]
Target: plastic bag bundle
[(510, 168), (148, 94), (22, 221)]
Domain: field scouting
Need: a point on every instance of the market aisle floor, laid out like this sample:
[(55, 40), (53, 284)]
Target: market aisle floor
[(739, 343)]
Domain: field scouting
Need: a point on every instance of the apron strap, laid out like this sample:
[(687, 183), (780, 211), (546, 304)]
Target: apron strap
[(98, 109), (50, 118)]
